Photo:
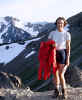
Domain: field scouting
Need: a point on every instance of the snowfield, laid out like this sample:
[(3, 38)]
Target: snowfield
[(14, 49)]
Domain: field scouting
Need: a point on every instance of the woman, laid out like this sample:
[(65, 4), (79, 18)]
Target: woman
[(62, 39)]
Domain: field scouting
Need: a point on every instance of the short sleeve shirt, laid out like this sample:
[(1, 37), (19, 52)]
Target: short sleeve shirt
[(60, 38)]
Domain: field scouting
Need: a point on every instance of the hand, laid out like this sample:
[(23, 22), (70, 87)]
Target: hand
[(65, 68), (67, 62), (53, 45)]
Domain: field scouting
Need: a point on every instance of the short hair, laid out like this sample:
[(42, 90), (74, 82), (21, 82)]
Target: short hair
[(61, 18)]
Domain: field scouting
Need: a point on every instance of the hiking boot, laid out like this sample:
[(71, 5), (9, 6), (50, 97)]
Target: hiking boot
[(64, 93), (55, 94)]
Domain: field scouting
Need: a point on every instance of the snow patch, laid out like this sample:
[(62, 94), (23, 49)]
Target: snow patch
[(13, 50), (31, 53), (7, 55)]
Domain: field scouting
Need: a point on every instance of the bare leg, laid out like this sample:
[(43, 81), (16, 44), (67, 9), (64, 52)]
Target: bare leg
[(62, 70), (61, 74), (56, 81)]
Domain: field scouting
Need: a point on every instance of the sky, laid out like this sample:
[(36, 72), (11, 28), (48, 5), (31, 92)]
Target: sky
[(40, 10)]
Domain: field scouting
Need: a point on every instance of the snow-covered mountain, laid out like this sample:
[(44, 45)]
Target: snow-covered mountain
[(14, 30)]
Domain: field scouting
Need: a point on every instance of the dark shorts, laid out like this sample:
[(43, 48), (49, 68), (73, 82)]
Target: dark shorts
[(61, 56)]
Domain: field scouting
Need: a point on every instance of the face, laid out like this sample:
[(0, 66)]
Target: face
[(60, 24)]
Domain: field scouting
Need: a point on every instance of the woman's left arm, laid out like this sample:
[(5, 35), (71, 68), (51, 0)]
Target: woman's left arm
[(68, 52)]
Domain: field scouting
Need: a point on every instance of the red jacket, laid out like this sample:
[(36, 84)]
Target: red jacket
[(47, 58)]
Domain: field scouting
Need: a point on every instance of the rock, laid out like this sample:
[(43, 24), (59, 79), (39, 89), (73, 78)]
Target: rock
[(15, 94), (27, 94), (9, 80)]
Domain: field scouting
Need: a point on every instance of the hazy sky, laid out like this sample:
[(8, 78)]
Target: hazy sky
[(40, 10)]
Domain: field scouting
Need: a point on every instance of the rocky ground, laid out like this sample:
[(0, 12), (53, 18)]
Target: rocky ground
[(12, 92), (27, 94)]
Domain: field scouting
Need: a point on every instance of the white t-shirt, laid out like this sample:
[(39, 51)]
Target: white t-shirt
[(60, 38)]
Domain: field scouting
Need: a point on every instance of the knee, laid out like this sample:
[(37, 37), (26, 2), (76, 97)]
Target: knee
[(61, 75)]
